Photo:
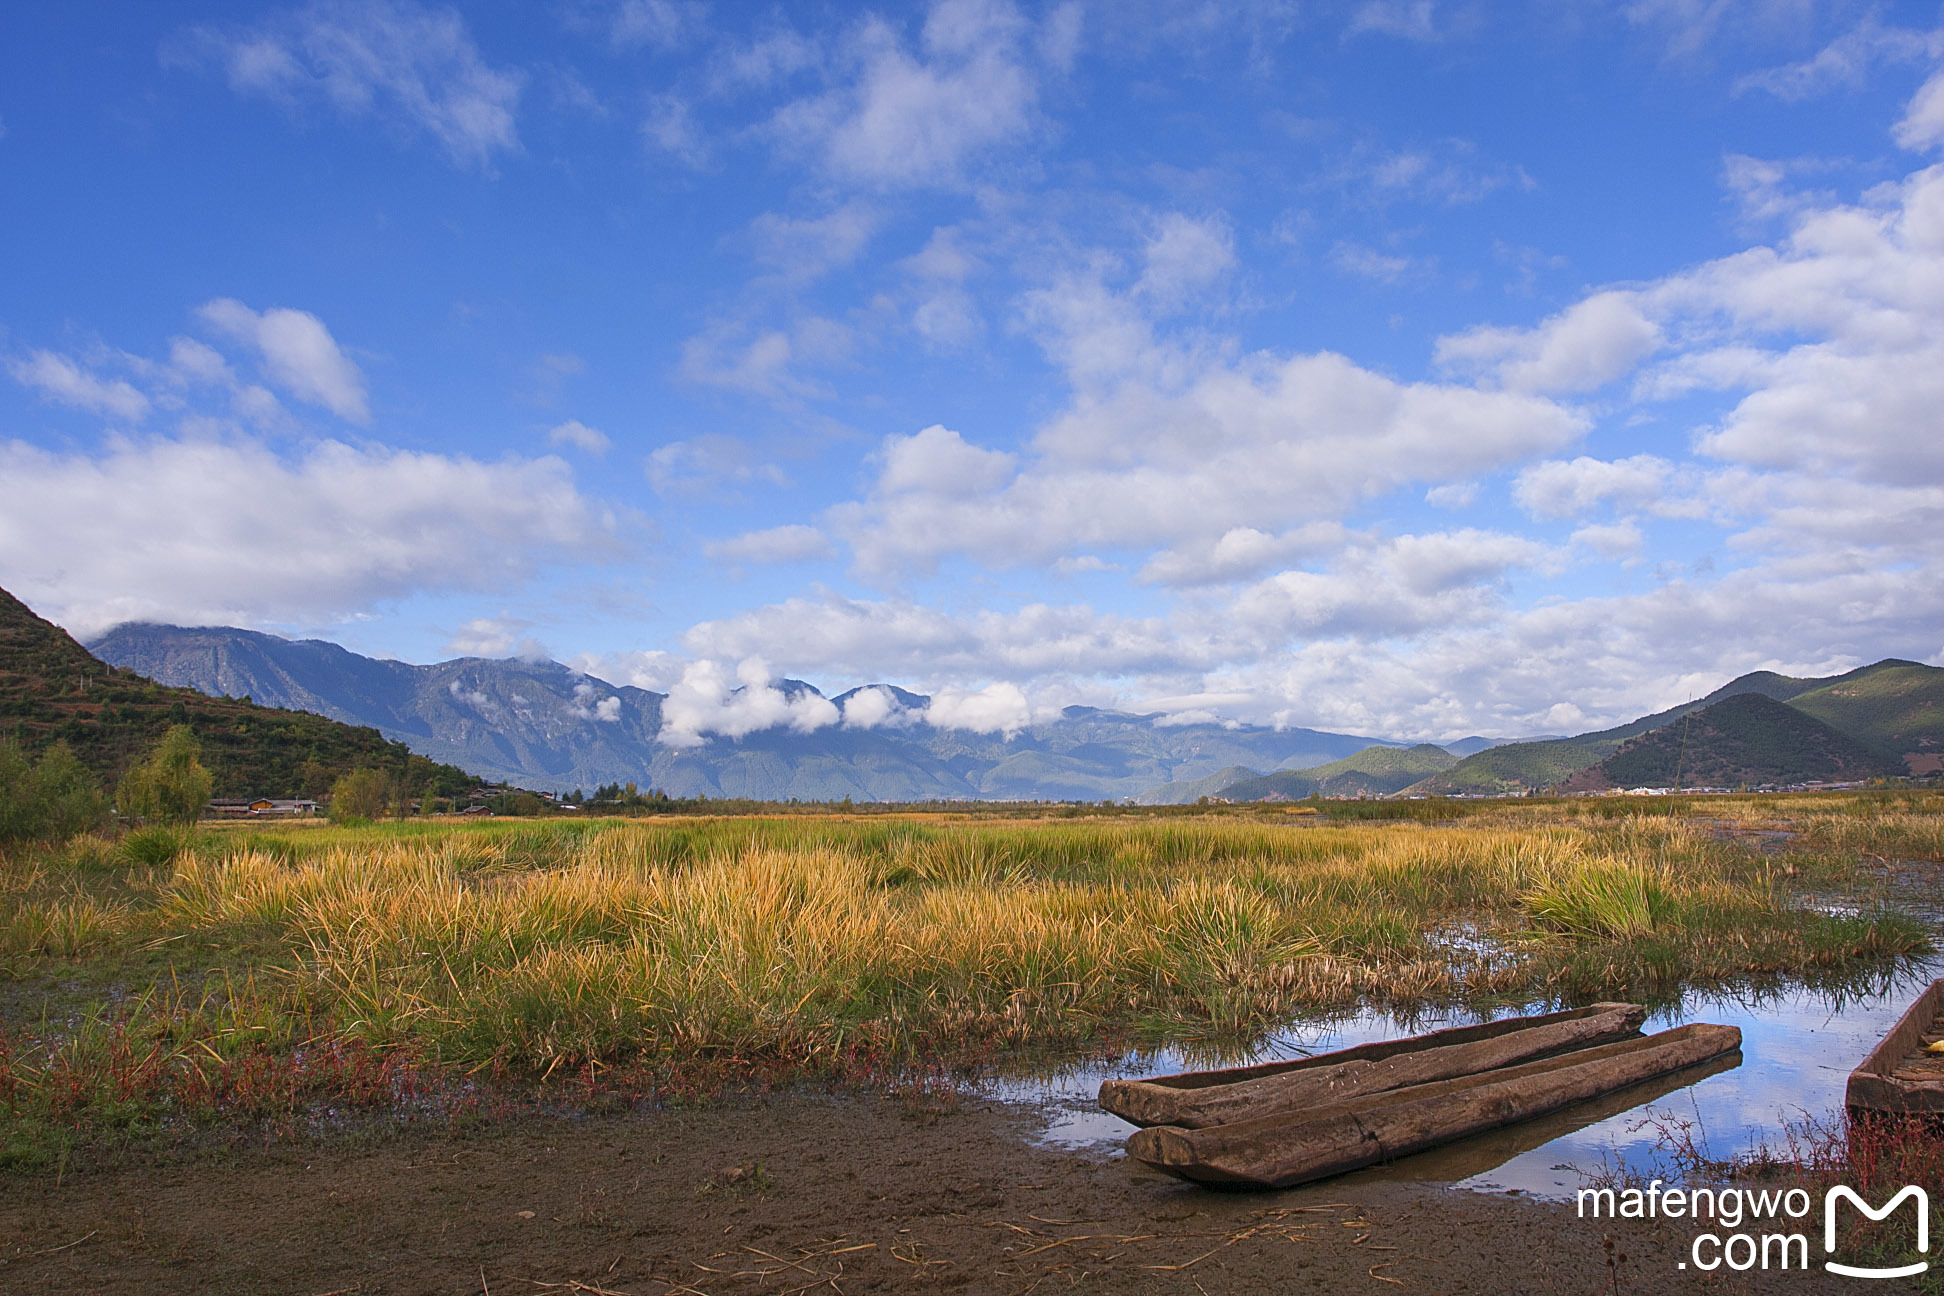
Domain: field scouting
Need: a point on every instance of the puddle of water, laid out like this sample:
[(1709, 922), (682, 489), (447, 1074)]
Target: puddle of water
[(1798, 1047)]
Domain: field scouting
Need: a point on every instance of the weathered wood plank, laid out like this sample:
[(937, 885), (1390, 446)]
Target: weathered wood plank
[(1281, 1151), (1197, 1100)]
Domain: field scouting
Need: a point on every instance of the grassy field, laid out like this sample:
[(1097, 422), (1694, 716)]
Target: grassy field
[(159, 983)]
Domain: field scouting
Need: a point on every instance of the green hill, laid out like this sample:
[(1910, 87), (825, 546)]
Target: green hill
[(1748, 740), (1895, 705), (1891, 706), (54, 690), (1374, 771), (1191, 791)]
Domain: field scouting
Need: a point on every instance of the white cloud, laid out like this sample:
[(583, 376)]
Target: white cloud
[(997, 708), (1846, 61), (1922, 126), (1452, 495), (938, 461), (500, 636), (191, 361), (1402, 586), (876, 708), (60, 379), (920, 118), (1182, 451), (654, 670), (791, 543), (473, 698), (1239, 552), (576, 433), (1183, 258), (707, 465), (727, 355), (298, 352), (1582, 348), (709, 700), (1369, 263), (204, 532), (1573, 488), (805, 248), (1614, 540), (390, 58), (590, 704)]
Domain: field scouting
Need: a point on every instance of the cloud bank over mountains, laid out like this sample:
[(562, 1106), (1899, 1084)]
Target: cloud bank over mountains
[(1549, 510)]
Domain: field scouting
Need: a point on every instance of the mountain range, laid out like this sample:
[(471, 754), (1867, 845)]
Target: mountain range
[(547, 726)]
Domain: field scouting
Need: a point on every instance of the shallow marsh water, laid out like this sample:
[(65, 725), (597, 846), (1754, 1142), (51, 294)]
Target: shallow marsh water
[(1798, 1046)]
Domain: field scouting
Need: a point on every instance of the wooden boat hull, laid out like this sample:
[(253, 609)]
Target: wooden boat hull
[(1283, 1151), (1199, 1100), (1898, 1078)]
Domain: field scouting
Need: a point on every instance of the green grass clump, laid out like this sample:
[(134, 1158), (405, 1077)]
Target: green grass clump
[(1605, 899)]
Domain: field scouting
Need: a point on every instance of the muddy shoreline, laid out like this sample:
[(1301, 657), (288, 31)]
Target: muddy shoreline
[(791, 1193)]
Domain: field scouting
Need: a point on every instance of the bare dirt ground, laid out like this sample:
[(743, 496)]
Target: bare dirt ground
[(797, 1194)]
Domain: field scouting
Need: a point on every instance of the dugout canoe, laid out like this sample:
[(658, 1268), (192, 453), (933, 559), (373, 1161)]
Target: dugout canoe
[(1479, 1154), (1282, 1151), (1899, 1077), (1200, 1099)]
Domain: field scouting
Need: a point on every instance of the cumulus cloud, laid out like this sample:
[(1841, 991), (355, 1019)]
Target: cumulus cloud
[(1613, 540), (203, 532), (1402, 586), (997, 708), (402, 62), (1582, 348), (298, 354), (1261, 443), (1922, 126), (1183, 258), (709, 699), (1573, 488), (576, 433), (58, 378), (875, 708), (1239, 552)]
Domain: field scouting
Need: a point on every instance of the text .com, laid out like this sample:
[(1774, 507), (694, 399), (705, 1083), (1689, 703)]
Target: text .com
[(1743, 1248)]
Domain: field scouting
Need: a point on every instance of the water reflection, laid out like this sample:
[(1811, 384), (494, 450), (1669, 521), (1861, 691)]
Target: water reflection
[(1799, 1043)]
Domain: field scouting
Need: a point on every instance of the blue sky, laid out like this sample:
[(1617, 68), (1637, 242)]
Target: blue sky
[(1398, 366)]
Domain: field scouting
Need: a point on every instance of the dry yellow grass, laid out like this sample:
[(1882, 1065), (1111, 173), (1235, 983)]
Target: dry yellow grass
[(804, 939)]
